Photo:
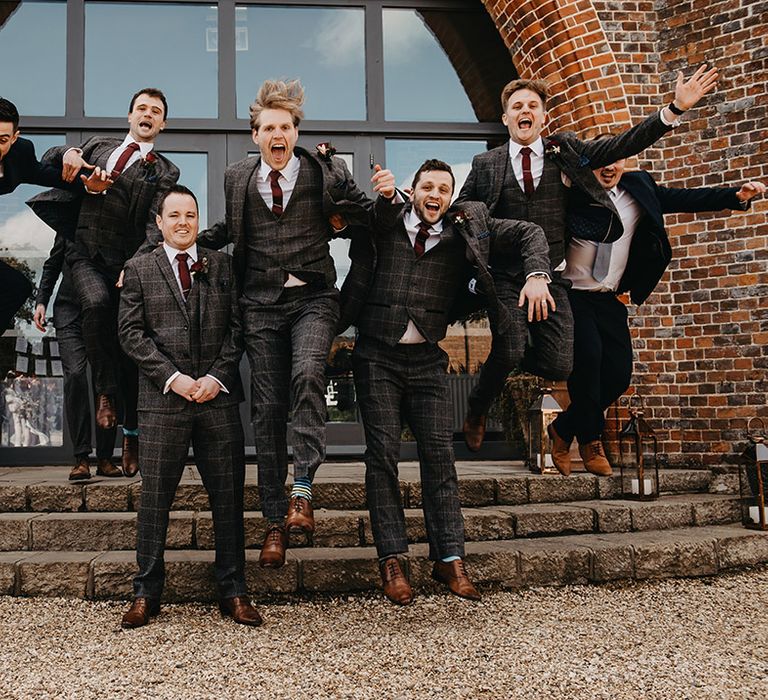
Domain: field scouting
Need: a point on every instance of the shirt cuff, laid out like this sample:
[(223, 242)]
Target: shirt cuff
[(539, 273), (674, 122), (167, 386), (223, 388)]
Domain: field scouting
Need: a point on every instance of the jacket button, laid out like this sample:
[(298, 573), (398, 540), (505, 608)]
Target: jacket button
[(186, 328)]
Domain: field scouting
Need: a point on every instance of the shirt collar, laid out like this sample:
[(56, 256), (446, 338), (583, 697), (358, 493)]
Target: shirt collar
[(172, 252), (144, 146), (412, 222), (288, 172), (537, 147)]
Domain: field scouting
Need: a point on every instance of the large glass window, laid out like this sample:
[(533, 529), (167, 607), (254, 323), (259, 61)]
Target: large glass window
[(194, 174), (33, 56), (324, 47), (129, 46)]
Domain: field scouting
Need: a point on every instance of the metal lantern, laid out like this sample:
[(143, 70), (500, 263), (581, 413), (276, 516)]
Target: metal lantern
[(753, 476), (638, 454), (541, 413)]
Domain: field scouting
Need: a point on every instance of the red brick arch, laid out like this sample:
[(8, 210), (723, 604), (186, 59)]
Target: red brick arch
[(563, 42)]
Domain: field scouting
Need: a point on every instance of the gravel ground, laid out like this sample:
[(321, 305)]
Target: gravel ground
[(701, 638)]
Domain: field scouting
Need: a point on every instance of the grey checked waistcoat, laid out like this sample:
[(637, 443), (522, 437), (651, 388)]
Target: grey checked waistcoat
[(406, 287), (546, 208), (296, 242)]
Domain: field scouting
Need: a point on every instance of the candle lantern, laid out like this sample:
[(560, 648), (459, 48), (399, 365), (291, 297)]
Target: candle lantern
[(541, 413), (638, 454), (753, 476)]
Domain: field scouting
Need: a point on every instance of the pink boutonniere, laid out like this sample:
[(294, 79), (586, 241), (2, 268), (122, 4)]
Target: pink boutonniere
[(325, 150)]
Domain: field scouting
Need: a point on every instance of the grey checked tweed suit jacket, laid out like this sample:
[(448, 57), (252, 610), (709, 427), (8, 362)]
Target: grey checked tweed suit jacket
[(340, 195), (479, 231), (127, 231), (574, 157), (156, 327)]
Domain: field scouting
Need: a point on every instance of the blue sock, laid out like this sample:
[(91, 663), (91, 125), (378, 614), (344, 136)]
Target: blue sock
[(131, 433), (448, 560), (302, 486)]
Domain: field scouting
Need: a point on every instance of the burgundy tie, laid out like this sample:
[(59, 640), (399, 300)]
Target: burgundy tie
[(420, 244), (184, 277), (527, 177), (129, 150), (277, 193)]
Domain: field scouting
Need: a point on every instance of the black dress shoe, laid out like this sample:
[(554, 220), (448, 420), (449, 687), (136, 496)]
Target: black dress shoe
[(130, 455), (139, 613), (240, 610)]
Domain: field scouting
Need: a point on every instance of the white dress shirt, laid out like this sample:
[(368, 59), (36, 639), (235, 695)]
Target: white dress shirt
[(287, 181), (144, 149), (580, 254), (412, 222), (172, 253)]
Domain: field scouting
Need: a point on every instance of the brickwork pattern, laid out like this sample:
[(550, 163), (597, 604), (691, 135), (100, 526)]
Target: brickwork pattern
[(701, 339)]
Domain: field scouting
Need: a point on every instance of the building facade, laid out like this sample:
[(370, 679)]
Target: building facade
[(393, 83)]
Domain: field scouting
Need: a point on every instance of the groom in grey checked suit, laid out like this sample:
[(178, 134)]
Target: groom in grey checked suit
[(529, 178), (422, 252), (277, 216), (180, 323)]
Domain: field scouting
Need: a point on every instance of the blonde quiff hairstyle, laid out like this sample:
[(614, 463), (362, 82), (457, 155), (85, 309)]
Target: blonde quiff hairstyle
[(540, 87), (278, 94)]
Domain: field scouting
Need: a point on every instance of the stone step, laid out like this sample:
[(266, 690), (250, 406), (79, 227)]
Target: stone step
[(513, 564), (20, 493), (352, 528)]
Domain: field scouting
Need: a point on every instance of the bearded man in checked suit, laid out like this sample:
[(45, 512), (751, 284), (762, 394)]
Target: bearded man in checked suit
[(112, 220), (278, 207), (529, 178)]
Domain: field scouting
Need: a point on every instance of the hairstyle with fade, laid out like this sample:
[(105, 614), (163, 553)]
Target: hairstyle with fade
[(431, 165), (175, 189), (9, 113), (278, 94), (152, 92), (540, 87)]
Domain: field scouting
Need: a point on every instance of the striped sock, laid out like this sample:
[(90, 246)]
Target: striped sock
[(302, 487), (448, 560), (128, 432)]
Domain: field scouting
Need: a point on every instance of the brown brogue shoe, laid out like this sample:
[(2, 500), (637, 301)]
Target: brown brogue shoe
[(561, 451), (139, 613), (240, 610), (130, 455), (396, 586), (474, 432), (454, 575), (301, 516), (593, 456), (105, 467), (106, 416), (273, 549), (81, 470)]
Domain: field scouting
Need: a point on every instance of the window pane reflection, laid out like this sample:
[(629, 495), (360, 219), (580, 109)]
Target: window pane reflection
[(194, 175), (34, 79), (323, 47), (129, 46), (420, 84)]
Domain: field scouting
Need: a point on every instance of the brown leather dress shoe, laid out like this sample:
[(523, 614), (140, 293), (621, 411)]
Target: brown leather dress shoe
[(454, 575), (396, 586), (474, 432), (273, 550), (106, 416), (81, 470), (130, 455), (561, 451), (301, 517), (240, 610), (594, 458), (139, 613), (105, 467)]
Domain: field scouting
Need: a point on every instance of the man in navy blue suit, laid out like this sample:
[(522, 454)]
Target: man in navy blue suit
[(18, 164), (614, 250)]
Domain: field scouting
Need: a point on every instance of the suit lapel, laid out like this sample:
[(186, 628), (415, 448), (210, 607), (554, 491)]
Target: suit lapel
[(500, 160), (239, 195), (167, 271)]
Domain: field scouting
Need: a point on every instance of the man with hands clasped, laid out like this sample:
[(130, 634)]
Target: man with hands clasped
[(180, 323)]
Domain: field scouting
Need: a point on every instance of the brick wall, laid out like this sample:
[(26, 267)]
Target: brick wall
[(700, 340)]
